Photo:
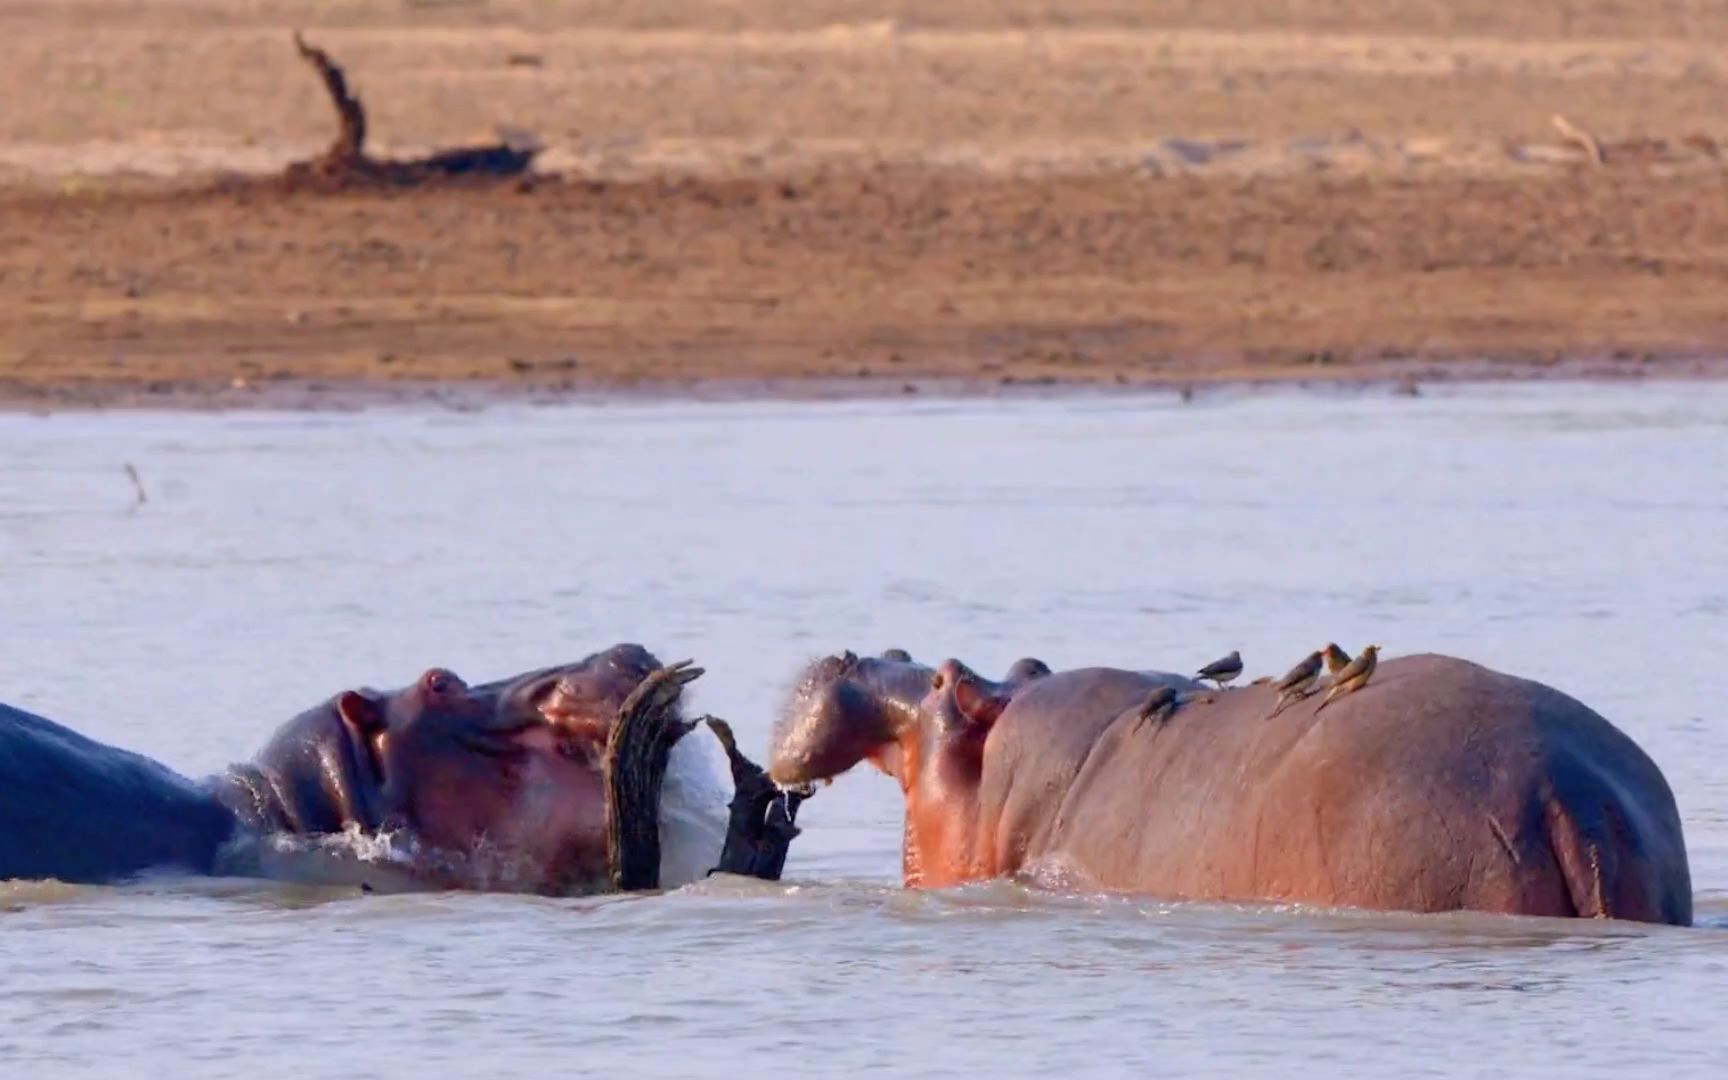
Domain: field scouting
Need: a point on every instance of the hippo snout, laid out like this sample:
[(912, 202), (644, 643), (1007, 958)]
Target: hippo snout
[(843, 711), (792, 771), (795, 757)]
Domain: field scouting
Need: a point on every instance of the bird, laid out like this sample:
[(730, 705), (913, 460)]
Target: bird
[(1158, 706), (1354, 677), (1336, 659), (1222, 671), (1298, 682)]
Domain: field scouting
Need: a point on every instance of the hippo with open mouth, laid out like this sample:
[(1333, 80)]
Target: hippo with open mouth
[(1439, 786), (512, 785)]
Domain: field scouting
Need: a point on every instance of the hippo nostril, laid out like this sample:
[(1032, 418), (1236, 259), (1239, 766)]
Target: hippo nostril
[(562, 697), (564, 703), (440, 681)]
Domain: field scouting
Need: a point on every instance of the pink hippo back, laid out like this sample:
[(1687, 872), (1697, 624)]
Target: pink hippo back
[(1440, 786)]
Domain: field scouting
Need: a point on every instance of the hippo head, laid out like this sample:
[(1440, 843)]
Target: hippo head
[(844, 709), (891, 711), (499, 785), (926, 727)]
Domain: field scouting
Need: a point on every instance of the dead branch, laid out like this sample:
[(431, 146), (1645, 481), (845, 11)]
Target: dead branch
[(350, 144), (346, 163)]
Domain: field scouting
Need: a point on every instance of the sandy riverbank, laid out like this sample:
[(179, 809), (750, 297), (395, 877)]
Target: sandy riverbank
[(861, 195)]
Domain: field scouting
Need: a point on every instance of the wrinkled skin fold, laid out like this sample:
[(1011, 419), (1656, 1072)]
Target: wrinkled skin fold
[(1440, 786)]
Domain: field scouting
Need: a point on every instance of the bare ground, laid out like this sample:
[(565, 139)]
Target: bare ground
[(734, 196)]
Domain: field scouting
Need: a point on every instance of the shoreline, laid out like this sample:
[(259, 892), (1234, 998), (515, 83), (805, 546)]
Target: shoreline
[(472, 396)]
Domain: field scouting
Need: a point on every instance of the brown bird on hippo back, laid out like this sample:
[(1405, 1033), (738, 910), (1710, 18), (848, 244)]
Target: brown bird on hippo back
[(1158, 707), (1336, 659), (1354, 676), (1223, 670), (1298, 682)]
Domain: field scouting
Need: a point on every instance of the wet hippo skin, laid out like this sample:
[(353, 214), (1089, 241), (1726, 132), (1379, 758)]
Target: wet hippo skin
[(74, 809), (497, 786), (1441, 785)]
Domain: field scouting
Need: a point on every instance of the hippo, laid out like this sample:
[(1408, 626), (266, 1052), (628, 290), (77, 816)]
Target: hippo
[(1441, 785), (496, 786)]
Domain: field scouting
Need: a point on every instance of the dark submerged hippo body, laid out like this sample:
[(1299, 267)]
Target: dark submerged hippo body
[(1441, 786), (74, 809), (497, 786)]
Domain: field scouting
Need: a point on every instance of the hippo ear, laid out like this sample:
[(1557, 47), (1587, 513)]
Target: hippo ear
[(978, 701), (363, 713)]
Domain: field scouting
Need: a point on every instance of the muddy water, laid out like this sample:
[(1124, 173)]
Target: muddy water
[(1574, 534)]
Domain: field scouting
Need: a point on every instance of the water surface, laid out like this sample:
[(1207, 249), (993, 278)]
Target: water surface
[(1572, 534)]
